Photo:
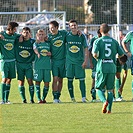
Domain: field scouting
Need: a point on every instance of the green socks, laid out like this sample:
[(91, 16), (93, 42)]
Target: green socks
[(31, 90), (110, 100), (117, 86), (82, 88), (45, 92), (101, 95), (93, 93), (3, 88), (55, 95), (38, 93), (70, 88), (22, 92), (7, 91)]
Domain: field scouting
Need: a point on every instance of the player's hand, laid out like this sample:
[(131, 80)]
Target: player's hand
[(38, 55), (84, 65), (37, 41), (46, 38), (79, 32), (48, 53), (21, 39), (129, 54), (1, 36)]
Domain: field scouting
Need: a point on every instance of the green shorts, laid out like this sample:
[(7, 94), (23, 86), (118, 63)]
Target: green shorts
[(8, 69), (103, 80), (59, 68), (24, 70), (42, 74), (75, 71)]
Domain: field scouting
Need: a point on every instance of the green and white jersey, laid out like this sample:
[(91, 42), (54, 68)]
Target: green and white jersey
[(129, 38), (58, 47), (75, 45), (44, 61), (107, 48), (24, 51), (7, 46)]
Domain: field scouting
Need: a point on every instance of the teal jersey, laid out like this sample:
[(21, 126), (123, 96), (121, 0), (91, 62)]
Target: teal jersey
[(24, 51), (75, 45), (58, 47), (107, 48), (129, 38), (7, 46), (44, 61)]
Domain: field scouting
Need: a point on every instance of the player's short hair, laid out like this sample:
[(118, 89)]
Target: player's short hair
[(55, 23), (12, 25), (73, 21), (26, 29), (123, 58), (40, 30), (104, 28)]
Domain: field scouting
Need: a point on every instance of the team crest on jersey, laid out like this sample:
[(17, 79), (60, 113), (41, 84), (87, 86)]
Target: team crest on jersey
[(24, 53), (58, 43), (8, 46), (43, 52), (74, 49)]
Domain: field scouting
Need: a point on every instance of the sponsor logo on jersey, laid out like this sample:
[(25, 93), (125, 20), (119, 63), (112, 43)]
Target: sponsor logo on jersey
[(58, 43), (43, 52), (8, 46), (74, 49), (24, 53)]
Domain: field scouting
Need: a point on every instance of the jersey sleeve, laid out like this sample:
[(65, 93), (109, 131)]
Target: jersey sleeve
[(128, 37), (35, 45)]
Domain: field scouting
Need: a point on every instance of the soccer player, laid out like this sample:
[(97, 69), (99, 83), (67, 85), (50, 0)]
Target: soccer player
[(7, 42), (119, 82), (93, 63), (58, 58), (24, 59), (76, 59), (42, 65), (104, 50), (129, 38)]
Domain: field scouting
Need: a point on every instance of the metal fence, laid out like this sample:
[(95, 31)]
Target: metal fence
[(85, 11)]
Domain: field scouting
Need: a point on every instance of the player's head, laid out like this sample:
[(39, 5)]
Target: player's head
[(26, 33), (53, 27), (41, 35), (123, 59), (104, 28), (99, 33), (11, 28), (73, 25)]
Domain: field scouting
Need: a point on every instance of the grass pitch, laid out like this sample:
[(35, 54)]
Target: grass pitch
[(66, 117)]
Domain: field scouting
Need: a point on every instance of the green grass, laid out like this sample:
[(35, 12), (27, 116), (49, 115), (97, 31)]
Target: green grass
[(66, 117)]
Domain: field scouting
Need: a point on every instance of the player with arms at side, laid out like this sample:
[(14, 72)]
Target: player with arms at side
[(107, 48), (128, 39), (58, 58), (24, 59), (76, 59), (7, 43), (42, 65)]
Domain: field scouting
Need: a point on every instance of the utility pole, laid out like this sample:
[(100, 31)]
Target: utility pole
[(54, 5), (39, 5)]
